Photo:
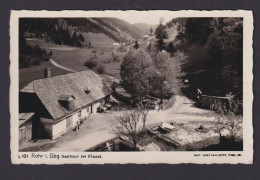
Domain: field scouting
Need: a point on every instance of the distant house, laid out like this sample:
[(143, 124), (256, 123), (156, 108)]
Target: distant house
[(62, 102), (25, 127), (115, 44), (146, 36)]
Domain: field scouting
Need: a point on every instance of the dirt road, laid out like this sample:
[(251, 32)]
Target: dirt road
[(60, 66), (100, 127)]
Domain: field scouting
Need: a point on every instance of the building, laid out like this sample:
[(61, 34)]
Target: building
[(25, 127), (62, 102), (146, 36), (115, 44), (213, 102)]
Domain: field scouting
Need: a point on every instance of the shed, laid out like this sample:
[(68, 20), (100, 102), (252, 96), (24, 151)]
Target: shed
[(213, 102), (25, 126)]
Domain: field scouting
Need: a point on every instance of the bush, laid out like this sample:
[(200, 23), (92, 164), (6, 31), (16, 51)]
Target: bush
[(90, 64), (27, 61), (100, 69), (94, 51)]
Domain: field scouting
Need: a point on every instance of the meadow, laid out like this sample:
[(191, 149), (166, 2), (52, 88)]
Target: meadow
[(74, 58)]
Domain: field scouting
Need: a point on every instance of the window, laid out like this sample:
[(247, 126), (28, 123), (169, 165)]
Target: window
[(21, 129), (79, 114)]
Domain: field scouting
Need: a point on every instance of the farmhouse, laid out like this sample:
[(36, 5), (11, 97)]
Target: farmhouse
[(62, 102)]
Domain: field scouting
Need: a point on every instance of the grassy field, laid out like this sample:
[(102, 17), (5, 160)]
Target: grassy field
[(27, 75), (74, 58)]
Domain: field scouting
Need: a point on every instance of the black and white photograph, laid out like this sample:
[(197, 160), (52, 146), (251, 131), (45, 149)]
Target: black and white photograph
[(132, 82)]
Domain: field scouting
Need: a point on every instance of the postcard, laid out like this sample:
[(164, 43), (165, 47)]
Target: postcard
[(96, 87)]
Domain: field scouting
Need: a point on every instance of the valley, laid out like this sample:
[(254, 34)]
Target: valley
[(160, 65)]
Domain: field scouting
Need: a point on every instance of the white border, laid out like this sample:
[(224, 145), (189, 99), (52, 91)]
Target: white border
[(174, 157)]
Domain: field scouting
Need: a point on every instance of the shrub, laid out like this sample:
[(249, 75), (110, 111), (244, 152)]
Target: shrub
[(90, 64), (27, 61), (101, 69), (45, 56), (94, 51)]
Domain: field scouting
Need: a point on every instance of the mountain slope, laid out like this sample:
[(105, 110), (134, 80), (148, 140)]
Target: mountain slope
[(116, 29), (214, 47), (57, 28), (124, 27), (145, 28)]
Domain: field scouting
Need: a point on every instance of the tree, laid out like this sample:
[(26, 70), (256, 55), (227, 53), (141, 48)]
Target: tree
[(136, 72), (226, 52), (165, 80), (181, 24), (170, 48), (228, 124), (151, 31), (161, 34), (81, 38), (75, 40), (198, 29), (161, 87), (91, 63), (132, 124), (101, 69), (149, 47), (136, 46)]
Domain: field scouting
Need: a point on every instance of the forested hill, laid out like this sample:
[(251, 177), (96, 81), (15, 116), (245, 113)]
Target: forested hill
[(214, 47), (146, 28), (57, 29)]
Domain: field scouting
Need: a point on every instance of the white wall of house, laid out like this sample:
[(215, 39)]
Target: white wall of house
[(58, 129), (75, 119), (85, 112), (95, 106)]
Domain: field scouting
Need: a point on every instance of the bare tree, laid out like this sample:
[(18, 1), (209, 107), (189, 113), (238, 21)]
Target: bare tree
[(229, 120), (132, 124)]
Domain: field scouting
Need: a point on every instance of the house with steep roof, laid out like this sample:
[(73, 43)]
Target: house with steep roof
[(61, 102)]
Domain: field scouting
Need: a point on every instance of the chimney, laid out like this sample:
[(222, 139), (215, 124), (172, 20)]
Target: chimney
[(47, 72), (71, 104), (67, 101)]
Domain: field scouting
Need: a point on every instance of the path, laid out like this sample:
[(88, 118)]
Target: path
[(99, 128), (60, 66)]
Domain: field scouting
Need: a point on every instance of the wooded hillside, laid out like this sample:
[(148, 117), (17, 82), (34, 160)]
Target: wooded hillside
[(215, 53)]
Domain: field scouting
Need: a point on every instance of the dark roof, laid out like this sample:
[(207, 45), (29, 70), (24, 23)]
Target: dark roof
[(51, 90), (23, 117)]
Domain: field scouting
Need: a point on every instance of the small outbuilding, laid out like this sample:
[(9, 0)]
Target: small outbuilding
[(25, 127)]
